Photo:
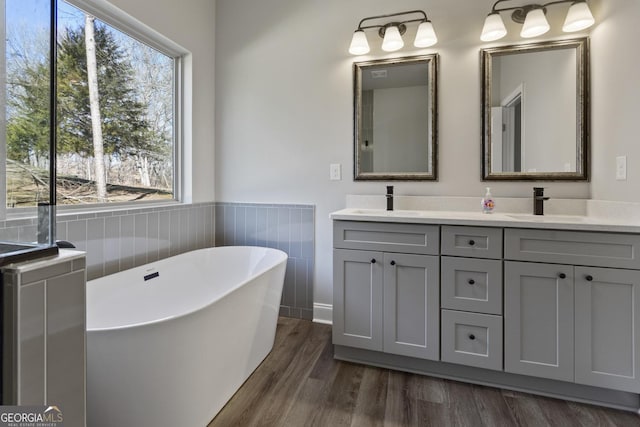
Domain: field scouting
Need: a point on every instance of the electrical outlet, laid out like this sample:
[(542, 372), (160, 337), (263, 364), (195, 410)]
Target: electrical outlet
[(621, 168), (335, 172)]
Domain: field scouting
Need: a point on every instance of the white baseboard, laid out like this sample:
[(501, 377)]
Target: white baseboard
[(323, 313)]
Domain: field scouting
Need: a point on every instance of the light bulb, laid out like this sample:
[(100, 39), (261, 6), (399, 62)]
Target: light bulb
[(359, 44), (578, 18), (535, 24), (392, 40), (493, 29), (426, 35)]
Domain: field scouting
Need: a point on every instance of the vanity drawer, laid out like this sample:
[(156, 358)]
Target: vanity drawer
[(475, 242), (573, 247), (472, 339), (471, 284), (388, 237)]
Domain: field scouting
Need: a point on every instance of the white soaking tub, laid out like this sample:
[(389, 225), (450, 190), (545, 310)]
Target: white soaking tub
[(170, 342)]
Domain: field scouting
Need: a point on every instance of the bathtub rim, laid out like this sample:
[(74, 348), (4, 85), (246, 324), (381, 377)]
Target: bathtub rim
[(282, 258)]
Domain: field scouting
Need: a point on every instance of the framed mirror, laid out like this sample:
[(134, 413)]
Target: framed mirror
[(395, 119), (535, 111)]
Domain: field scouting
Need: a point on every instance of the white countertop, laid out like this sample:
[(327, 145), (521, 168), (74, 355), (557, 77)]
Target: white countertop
[(496, 219)]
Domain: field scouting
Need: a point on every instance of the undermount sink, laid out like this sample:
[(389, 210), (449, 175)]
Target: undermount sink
[(398, 213), (547, 218), (19, 252)]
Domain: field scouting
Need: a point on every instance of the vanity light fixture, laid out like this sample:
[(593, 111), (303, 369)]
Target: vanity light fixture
[(534, 21), (391, 32)]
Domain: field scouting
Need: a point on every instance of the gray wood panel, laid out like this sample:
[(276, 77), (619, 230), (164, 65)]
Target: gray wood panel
[(389, 237), (357, 298), (470, 284), (573, 247), (31, 335), (412, 305), (608, 328), (474, 242), (538, 320), (472, 339), (66, 344)]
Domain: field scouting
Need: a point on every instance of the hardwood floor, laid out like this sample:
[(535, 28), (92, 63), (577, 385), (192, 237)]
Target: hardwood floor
[(300, 384)]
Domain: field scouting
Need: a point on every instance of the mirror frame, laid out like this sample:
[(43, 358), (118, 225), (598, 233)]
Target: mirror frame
[(432, 63), (581, 46)]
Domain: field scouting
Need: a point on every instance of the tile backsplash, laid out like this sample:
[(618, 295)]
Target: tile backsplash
[(289, 228), (121, 239)]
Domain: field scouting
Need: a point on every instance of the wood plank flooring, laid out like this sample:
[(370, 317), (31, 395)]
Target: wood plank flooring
[(300, 384)]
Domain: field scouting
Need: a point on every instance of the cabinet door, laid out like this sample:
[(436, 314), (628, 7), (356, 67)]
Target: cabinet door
[(538, 320), (411, 305), (608, 328), (357, 298)]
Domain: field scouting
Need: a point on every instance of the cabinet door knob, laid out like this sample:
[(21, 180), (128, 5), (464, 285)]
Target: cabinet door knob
[(471, 282), (472, 337), (562, 276), (393, 262), (472, 242), (373, 260), (589, 277)]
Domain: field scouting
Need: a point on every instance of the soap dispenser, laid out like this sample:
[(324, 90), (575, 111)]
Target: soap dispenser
[(487, 202)]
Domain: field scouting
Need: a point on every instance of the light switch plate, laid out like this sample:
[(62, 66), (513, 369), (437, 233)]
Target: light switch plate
[(621, 168), (335, 173)]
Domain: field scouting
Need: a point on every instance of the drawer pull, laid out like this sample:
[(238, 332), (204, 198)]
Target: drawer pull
[(392, 262), (472, 242), (471, 282), (472, 337), (562, 276), (589, 277), (373, 260)]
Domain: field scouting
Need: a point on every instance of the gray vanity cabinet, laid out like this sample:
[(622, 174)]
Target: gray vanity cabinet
[(386, 288), (607, 328), (579, 322), (538, 326)]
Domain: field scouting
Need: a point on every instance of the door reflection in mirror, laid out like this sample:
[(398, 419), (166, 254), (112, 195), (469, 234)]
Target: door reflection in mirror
[(535, 111)]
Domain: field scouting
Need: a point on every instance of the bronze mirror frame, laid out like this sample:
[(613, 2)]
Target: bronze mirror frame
[(581, 46), (431, 61)]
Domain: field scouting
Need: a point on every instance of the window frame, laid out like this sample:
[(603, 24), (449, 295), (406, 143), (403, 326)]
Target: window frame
[(121, 21)]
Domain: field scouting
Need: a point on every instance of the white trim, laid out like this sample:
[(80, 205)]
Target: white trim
[(121, 20), (323, 313)]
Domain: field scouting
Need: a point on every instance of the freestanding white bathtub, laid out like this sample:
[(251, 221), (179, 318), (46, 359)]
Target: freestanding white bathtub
[(171, 350)]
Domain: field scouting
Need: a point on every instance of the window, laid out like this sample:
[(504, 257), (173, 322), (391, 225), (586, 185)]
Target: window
[(116, 108)]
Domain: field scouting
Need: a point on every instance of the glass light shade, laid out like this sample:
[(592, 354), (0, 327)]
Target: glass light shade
[(426, 35), (535, 24), (578, 18), (392, 40), (359, 44), (493, 29)]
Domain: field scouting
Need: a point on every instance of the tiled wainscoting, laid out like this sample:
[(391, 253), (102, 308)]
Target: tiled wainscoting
[(121, 239), (289, 228)]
